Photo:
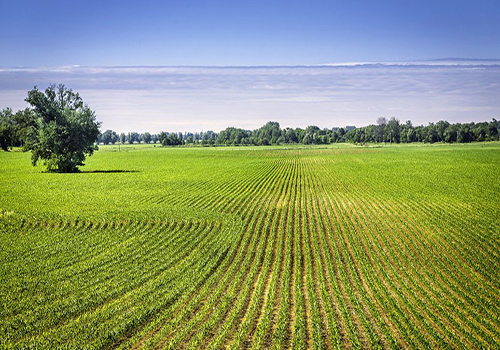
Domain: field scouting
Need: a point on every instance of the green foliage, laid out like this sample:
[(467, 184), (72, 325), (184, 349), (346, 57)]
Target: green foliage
[(62, 131), (267, 134), (146, 137), (170, 139), (233, 136), (109, 136), (387, 131), (7, 129), (13, 127), (393, 132)]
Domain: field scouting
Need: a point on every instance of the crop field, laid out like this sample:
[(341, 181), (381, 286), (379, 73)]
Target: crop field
[(183, 248)]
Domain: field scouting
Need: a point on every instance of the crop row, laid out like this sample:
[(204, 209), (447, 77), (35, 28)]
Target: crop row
[(300, 249)]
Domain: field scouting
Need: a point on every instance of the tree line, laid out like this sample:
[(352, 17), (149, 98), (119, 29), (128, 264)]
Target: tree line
[(384, 131), (12, 134), (15, 128), (268, 134), (392, 131), (61, 130)]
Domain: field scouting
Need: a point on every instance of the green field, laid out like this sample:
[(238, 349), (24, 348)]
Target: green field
[(344, 247)]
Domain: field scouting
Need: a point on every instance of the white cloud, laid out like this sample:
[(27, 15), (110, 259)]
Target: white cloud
[(195, 98)]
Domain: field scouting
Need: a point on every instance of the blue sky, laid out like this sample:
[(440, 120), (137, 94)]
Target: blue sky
[(83, 43), (109, 33)]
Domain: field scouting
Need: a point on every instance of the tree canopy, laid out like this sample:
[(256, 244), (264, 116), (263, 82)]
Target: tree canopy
[(387, 130), (62, 130), (7, 132)]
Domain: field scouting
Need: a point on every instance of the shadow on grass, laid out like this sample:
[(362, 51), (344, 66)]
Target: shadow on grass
[(107, 171)]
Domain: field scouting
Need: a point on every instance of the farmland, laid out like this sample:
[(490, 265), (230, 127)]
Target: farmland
[(333, 247)]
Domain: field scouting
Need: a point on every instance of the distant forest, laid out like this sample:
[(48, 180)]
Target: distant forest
[(387, 131)]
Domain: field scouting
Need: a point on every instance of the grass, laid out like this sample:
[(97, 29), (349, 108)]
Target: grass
[(253, 247)]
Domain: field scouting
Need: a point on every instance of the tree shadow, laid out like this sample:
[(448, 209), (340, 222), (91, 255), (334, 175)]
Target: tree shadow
[(107, 171)]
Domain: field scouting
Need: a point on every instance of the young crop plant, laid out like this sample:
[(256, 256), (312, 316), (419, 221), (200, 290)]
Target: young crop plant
[(353, 247)]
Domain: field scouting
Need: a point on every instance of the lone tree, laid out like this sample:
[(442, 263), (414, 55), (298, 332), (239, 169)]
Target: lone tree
[(62, 129)]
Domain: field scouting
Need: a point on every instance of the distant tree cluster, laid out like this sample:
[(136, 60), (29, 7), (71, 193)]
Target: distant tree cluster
[(392, 131), (9, 129), (269, 134), (386, 131), (272, 134)]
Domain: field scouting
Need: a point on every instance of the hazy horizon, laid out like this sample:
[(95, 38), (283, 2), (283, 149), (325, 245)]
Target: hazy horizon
[(193, 99)]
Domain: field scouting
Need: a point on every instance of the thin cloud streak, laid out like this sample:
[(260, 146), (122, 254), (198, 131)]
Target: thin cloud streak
[(201, 98)]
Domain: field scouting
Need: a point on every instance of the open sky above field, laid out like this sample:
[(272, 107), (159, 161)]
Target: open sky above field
[(193, 65), (261, 32)]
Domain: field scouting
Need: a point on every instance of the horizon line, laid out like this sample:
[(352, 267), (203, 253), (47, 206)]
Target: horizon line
[(416, 62)]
